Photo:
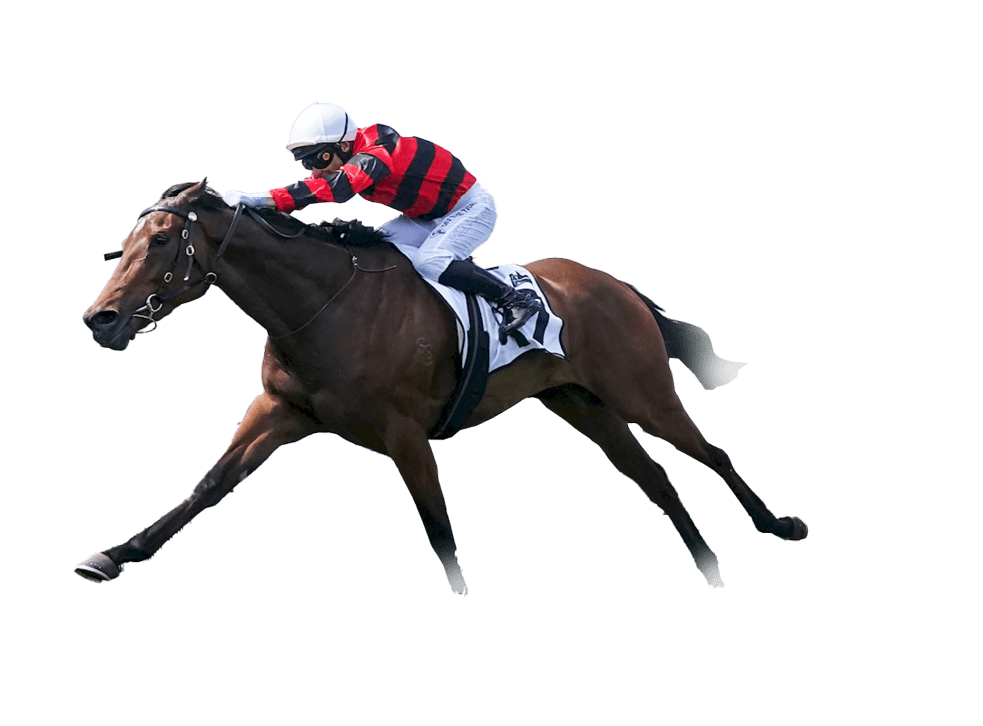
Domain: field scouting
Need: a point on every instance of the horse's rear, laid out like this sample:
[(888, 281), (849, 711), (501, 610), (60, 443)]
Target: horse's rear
[(615, 348), (616, 373)]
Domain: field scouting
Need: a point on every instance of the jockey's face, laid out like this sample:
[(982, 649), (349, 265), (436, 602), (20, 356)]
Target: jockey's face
[(336, 162)]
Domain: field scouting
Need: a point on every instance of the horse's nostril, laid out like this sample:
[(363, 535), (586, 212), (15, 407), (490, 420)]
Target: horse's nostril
[(102, 319)]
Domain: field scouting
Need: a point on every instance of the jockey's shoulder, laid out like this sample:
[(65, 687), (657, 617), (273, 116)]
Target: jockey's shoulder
[(379, 134)]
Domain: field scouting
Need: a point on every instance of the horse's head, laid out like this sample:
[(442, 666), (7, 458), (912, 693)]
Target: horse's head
[(165, 263)]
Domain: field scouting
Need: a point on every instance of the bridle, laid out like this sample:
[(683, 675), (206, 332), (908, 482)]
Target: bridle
[(156, 300)]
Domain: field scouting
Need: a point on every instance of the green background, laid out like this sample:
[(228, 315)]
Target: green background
[(797, 179)]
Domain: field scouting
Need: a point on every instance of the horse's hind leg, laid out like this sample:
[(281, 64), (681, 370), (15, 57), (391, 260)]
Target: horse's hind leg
[(408, 447), (636, 383), (673, 424), (588, 414)]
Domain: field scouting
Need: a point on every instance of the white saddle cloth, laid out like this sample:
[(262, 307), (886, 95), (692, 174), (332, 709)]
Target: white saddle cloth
[(542, 331)]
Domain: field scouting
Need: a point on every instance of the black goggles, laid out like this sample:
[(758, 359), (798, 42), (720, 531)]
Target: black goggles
[(314, 159)]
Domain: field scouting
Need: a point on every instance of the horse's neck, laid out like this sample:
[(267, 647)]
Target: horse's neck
[(278, 281)]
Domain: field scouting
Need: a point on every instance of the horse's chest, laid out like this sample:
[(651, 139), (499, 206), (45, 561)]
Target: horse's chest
[(289, 384), (331, 397)]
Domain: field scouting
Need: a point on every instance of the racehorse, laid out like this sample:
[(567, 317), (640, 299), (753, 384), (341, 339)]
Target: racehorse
[(359, 346)]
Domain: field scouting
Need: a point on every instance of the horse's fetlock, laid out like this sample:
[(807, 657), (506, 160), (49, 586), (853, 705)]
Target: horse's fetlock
[(705, 557), (766, 525), (444, 546)]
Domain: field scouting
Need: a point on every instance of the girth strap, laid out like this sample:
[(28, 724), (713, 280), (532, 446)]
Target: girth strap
[(473, 377)]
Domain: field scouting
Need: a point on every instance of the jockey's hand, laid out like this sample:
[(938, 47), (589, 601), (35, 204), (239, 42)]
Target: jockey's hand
[(232, 198)]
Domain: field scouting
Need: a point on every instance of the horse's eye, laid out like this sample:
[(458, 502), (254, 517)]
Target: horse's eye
[(160, 240)]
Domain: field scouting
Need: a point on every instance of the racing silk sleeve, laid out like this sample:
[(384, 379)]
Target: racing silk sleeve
[(406, 173), (359, 173)]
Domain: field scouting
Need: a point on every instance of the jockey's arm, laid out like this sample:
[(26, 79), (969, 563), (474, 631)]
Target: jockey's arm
[(358, 174)]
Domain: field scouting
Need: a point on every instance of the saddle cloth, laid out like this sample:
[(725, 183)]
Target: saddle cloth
[(541, 332)]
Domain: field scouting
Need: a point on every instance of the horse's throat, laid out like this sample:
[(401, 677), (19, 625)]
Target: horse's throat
[(283, 293)]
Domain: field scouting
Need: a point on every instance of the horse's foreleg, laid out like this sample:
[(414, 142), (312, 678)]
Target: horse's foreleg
[(588, 414), (268, 424), (409, 448)]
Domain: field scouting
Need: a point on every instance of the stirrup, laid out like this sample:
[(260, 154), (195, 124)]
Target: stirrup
[(518, 308)]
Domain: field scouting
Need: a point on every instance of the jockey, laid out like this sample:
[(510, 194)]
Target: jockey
[(445, 213)]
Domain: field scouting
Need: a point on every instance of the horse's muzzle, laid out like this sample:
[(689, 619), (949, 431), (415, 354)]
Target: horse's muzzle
[(108, 328)]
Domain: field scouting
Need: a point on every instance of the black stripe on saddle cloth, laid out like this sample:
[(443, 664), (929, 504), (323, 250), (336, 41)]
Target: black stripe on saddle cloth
[(472, 380)]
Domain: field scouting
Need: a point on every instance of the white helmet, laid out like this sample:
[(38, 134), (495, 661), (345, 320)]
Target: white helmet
[(321, 123)]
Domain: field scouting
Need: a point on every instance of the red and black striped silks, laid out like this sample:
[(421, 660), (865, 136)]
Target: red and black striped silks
[(409, 174)]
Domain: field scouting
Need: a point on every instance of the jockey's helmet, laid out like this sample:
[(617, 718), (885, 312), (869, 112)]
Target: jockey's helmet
[(320, 123)]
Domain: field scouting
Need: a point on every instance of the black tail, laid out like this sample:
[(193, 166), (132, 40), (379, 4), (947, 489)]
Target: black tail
[(692, 346)]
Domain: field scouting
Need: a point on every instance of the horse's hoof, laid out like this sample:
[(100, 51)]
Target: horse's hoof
[(98, 568), (799, 529)]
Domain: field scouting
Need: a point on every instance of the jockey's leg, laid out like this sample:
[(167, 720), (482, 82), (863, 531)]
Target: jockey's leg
[(517, 305), (445, 257), (408, 234)]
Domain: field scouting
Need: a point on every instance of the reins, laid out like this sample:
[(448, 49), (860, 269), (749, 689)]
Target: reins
[(157, 299), (323, 307), (356, 268)]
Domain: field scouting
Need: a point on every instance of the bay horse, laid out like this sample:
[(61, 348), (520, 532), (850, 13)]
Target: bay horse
[(359, 346)]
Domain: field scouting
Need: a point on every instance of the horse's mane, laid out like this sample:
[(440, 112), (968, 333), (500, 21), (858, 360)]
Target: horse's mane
[(350, 233)]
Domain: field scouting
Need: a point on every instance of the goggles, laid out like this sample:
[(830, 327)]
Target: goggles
[(313, 158)]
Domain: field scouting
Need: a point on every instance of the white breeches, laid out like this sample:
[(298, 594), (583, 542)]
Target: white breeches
[(432, 245)]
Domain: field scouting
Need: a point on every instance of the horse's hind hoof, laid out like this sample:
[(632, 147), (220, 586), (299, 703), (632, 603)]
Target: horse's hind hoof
[(799, 529), (98, 568)]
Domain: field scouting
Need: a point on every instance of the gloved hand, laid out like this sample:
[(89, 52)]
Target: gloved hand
[(233, 198)]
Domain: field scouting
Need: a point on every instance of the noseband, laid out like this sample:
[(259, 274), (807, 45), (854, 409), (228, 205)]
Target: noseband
[(157, 299)]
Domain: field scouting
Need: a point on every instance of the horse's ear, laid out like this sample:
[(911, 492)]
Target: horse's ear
[(195, 191)]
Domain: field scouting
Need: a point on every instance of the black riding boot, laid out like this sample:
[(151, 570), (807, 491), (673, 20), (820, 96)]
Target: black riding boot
[(517, 306)]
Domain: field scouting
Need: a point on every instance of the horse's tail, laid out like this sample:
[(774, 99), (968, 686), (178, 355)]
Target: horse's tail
[(692, 346)]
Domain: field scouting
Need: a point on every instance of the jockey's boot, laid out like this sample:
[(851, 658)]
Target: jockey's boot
[(517, 306)]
